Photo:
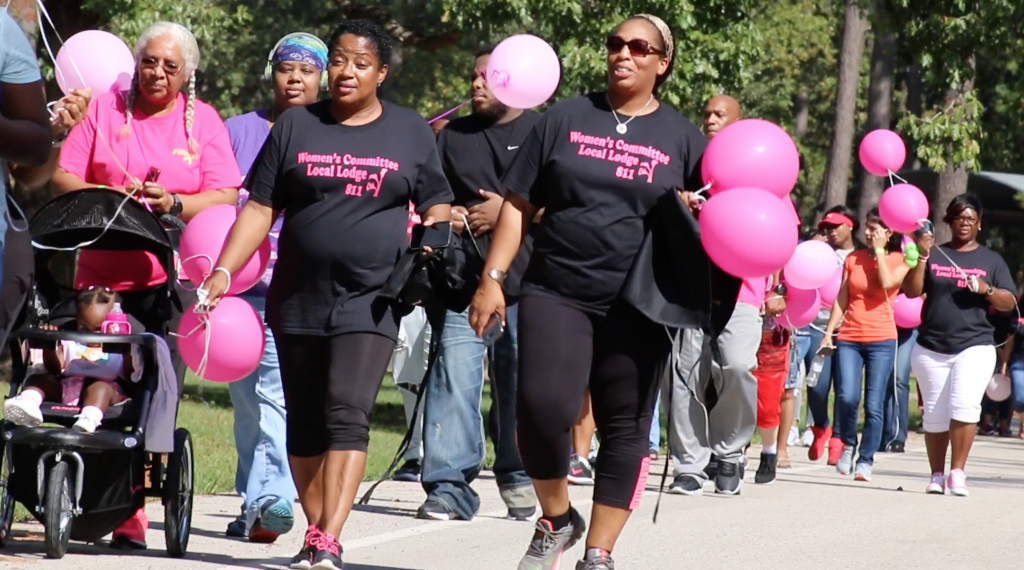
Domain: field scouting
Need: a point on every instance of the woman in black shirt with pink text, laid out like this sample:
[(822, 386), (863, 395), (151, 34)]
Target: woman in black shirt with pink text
[(343, 171), (955, 354), (597, 164)]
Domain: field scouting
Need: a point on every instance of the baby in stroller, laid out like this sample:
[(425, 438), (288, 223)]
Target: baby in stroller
[(76, 374)]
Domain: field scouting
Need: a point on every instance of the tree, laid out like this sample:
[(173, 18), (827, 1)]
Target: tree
[(851, 54), (880, 92)]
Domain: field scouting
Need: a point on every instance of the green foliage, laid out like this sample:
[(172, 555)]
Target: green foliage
[(951, 134)]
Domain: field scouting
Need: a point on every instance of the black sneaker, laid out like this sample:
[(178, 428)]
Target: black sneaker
[(327, 555), (409, 472), (435, 510), (729, 479), (304, 559), (687, 485), (580, 471), (548, 544), (711, 470), (766, 469), (896, 447)]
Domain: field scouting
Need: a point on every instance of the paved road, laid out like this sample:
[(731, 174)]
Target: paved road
[(811, 518)]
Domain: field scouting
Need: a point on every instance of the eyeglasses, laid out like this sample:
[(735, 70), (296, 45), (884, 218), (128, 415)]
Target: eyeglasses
[(970, 221), (171, 68), (637, 48), (107, 290)]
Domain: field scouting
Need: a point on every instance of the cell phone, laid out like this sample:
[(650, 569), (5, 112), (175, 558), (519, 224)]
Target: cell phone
[(493, 330), (925, 227), (826, 351), (435, 236), (153, 175)]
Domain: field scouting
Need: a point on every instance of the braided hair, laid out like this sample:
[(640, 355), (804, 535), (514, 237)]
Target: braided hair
[(190, 52)]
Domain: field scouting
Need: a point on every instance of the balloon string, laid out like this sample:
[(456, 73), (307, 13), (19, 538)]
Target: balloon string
[(181, 264), (448, 112), (204, 323), (897, 177)]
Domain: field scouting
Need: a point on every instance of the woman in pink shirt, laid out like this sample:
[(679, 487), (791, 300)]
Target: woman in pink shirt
[(123, 137), (153, 125)]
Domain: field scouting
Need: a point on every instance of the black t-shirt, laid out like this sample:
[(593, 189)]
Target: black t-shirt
[(475, 154), (953, 318), (597, 186), (345, 192)]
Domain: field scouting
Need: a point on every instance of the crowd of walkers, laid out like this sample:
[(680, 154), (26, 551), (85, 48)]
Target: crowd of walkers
[(554, 215)]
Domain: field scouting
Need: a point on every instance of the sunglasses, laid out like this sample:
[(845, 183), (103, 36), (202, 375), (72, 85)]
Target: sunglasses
[(107, 290), (637, 48)]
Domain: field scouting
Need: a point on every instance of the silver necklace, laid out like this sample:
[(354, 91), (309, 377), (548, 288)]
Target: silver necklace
[(621, 127)]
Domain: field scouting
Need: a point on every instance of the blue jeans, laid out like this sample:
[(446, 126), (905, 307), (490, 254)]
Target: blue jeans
[(1017, 381), (258, 401), (854, 358), (897, 413), (817, 397), (453, 434)]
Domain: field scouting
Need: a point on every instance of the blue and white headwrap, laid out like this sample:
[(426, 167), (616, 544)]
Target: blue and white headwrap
[(305, 48)]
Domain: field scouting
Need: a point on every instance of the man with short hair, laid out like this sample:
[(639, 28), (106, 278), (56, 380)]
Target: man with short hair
[(475, 152)]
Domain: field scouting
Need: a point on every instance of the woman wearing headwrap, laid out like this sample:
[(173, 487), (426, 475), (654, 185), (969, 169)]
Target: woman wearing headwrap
[(597, 164), (262, 478)]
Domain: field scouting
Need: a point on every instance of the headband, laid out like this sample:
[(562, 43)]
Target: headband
[(304, 48), (663, 29)]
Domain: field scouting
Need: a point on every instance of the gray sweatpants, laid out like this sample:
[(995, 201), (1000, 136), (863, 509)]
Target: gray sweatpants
[(692, 437)]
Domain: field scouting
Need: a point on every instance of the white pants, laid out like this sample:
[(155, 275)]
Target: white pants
[(952, 385)]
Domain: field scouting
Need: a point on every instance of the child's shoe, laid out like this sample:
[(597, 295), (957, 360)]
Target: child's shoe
[(90, 419), (23, 409)]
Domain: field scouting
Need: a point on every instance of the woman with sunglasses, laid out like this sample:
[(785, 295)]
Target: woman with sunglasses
[(955, 354), (597, 164)]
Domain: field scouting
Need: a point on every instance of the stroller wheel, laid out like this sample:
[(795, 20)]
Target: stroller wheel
[(6, 503), (58, 514), (177, 491)]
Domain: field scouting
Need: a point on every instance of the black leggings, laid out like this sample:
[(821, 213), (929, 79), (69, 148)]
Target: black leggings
[(621, 356), (330, 385)]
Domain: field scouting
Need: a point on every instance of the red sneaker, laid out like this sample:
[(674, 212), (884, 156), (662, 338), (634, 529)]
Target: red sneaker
[(835, 450), (132, 534), (821, 436)]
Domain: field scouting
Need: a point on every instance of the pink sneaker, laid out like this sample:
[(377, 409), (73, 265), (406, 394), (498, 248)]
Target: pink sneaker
[(957, 483), (937, 486)]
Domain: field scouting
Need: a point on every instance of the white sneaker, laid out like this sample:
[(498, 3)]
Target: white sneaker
[(85, 425), (807, 439), (937, 485), (794, 436), (957, 483), (23, 412)]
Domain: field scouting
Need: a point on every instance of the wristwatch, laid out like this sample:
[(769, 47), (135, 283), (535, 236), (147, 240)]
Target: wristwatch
[(177, 207), (991, 291), (780, 289), (497, 274)]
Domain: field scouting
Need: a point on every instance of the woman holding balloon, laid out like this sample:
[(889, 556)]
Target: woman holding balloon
[(955, 354), (127, 135), (866, 344), (597, 164), (344, 171)]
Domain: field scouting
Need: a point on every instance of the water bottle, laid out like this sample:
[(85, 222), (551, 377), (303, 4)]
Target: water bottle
[(116, 322), (816, 367)]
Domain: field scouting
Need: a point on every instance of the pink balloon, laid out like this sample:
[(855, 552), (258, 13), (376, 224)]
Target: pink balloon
[(908, 311), (748, 232), (792, 210), (829, 291), (999, 388), (204, 238), (881, 151), (812, 265), (234, 333), (752, 153), (523, 71), (96, 59), (802, 307), (902, 207)]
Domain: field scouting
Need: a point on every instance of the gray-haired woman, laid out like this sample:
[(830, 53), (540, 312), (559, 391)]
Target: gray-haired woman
[(126, 135)]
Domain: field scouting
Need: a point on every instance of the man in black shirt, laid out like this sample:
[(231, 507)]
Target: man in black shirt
[(475, 152)]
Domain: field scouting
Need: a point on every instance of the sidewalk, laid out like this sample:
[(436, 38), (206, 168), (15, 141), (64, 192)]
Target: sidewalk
[(811, 518)]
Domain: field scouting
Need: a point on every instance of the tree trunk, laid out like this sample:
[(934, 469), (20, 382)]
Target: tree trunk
[(879, 107), (914, 107), (801, 113), (952, 180), (837, 171)]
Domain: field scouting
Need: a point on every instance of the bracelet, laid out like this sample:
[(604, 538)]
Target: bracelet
[(922, 259), (879, 251), (225, 272)]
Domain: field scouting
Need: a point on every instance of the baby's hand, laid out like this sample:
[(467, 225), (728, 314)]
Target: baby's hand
[(48, 327)]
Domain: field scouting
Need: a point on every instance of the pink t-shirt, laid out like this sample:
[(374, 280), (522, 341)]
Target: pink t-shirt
[(752, 292), (159, 142)]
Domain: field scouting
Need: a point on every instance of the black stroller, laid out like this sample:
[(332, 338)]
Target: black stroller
[(82, 486)]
